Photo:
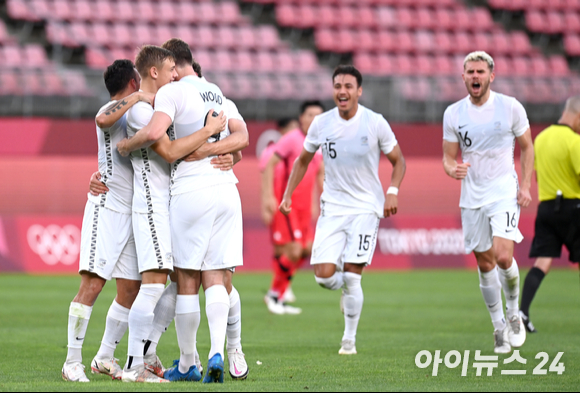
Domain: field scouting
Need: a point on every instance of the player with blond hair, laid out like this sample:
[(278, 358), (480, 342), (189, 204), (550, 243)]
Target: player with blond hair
[(484, 126)]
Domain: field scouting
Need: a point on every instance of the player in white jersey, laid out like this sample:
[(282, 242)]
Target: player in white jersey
[(202, 197), (107, 244), (150, 212), (485, 126), (352, 138)]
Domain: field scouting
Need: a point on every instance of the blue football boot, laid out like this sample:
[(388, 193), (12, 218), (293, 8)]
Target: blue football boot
[(215, 370), (173, 374)]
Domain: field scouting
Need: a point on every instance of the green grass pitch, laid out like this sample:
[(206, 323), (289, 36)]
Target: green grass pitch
[(403, 314)]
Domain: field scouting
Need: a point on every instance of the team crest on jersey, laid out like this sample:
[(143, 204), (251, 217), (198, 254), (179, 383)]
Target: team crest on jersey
[(364, 140), (497, 125), (102, 263)]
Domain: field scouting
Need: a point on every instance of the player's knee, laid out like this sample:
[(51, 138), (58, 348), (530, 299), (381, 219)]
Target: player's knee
[(333, 283), (504, 259)]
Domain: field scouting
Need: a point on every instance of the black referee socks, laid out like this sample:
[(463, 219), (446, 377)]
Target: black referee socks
[(533, 281)]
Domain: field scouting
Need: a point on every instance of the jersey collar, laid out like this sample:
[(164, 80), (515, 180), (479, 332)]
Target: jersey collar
[(489, 102)]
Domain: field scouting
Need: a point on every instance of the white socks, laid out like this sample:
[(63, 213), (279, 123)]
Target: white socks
[(187, 319), (217, 307), (353, 304), (117, 324), (333, 283), (78, 321), (141, 322), (234, 329), (164, 314), (510, 281), (491, 291)]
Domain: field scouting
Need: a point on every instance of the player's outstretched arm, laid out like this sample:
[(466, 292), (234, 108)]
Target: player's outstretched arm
[(172, 151), (399, 168), (117, 109), (269, 202), (452, 168), (527, 162), (238, 140), (298, 171)]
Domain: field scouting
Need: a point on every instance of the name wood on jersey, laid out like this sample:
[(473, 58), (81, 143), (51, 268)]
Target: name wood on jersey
[(211, 96)]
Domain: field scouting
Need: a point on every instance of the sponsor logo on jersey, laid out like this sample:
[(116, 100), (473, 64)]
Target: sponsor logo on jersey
[(55, 244)]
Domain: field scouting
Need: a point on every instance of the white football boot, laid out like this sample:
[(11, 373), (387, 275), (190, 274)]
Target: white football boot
[(108, 367), (74, 372), (142, 375), (153, 364), (516, 331), (273, 305), (238, 365), (502, 342), (289, 296), (348, 348)]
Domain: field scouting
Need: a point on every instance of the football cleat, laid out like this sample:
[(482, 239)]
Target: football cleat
[(174, 375), (142, 375), (278, 308), (215, 370), (74, 372), (516, 331), (108, 367), (502, 342), (238, 366), (527, 323), (289, 296), (153, 364), (348, 348)]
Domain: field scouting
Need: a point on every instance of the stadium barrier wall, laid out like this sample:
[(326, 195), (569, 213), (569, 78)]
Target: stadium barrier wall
[(42, 200)]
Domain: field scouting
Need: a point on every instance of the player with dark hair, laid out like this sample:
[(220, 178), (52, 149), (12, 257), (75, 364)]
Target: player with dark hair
[(352, 138), (291, 235), (107, 243)]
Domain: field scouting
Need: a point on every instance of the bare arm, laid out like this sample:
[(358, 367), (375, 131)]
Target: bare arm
[(298, 171), (452, 168), (117, 109), (527, 162), (238, 140), (172, 151), (399, 168), (269, 202)]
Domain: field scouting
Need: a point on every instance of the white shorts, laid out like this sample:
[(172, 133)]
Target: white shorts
[(498, 219), (345, 239), (207, 228), (153, 241), (107, 244)]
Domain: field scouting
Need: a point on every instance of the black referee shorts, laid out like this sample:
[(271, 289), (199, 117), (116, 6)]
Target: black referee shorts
[(557, 228)]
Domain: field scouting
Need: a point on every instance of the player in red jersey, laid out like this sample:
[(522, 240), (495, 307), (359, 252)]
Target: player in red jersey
[(292, 235)]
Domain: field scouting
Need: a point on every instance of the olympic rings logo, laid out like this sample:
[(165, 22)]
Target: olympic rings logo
[(55, 244)]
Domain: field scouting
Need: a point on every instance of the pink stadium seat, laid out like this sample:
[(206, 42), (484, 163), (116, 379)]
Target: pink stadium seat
[(53, 84), (187, 12), (324, 39), (520, 43), (405, 18), (404, 42), (535, 21), (9, 83), (208, 12), (41, 9), (20, 10), (229, 12), (521, 66), (82, 10), (122, 35), (572, 22), (306, 17), (444, 18), (386, 17), (307, 61), (442, 65), (366, 40), (500, 43), (463, 21), (539, 66), (225, 37), (100, 34), (559, 66), (33, 84), (555, 23), (286, 15), (385, 65), (365, 62), (203, 58), (347, 17), (403, 65), (424, 42), (265, 62), (167, 10), (572, 44), (244, 87), (95, 58), (326, 16), (267, 38), (75, 83), (103, 11), (443, 42), (284, 87), (246, 37), (426, 18), (285, 61), (424, 65), (162, 33), (462, 43), (143, 36), (366, 17), (145, 12), (35, 56), (242, 60), (124, 12), (206, 37), (62, 10), (386, 41), (482, 41), (12, 56)]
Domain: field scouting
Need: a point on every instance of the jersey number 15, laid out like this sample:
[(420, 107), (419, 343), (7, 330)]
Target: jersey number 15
[(329, 149)]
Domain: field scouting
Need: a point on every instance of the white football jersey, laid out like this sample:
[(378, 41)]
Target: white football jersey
[(187, 103), (151, 170), (116, 170), (487, 137), (351, 151)]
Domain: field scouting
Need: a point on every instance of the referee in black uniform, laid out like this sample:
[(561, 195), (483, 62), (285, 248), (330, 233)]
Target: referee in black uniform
[(557, 150)]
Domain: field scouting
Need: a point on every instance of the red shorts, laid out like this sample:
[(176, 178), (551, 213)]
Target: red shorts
[(295, 227)]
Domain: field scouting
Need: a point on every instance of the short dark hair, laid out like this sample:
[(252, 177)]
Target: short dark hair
[(283, 122), (307, 104), (118, 75), (348, 70), (151, 56), (182, 53)]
